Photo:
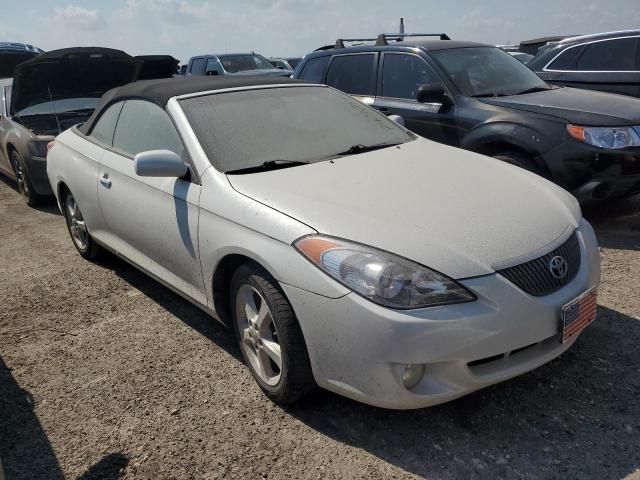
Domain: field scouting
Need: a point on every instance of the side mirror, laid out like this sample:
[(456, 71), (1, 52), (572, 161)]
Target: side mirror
[(159, 163), (431, 93), (397, 118)]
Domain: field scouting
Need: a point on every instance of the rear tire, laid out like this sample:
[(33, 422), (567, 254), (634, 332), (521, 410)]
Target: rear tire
[(25, 187), (80, 236), (269, 336), (519, 159)]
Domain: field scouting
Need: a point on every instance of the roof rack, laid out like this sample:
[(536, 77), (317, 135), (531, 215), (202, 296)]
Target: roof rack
[(398, 37), (340, 42), (381, 40)]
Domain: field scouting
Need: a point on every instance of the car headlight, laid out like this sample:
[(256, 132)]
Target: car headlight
[(611, 138), (382, 277)]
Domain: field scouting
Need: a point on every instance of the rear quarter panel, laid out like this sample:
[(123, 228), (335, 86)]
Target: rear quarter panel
[(75, 161)]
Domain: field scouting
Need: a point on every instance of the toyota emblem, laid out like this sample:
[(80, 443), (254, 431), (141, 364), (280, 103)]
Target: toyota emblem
[(558, 267)]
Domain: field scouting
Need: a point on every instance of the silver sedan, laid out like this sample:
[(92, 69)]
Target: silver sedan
[(346, 252)]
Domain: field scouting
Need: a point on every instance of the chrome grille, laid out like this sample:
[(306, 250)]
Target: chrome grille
[(535, 277)]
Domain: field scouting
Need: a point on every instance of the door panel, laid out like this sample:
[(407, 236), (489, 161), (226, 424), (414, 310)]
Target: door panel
[(400, 76), (428, 120), (153, 222)]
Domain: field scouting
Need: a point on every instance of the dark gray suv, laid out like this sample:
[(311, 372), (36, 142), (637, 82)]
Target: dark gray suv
[(480, 98)]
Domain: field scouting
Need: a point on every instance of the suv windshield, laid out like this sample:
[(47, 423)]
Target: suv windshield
[(241, 63), (244, 130), (488, 71)]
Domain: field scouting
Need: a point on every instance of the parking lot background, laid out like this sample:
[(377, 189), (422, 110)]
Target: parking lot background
[(105, 373)]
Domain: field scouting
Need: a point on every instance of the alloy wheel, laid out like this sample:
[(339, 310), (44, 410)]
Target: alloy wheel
[(259, 337), (23, 186), (76, 223)]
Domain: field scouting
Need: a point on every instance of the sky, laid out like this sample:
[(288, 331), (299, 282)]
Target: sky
[(183, 28)]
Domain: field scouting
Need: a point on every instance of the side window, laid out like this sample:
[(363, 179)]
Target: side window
[(3, 102), (611, 55), (313, 70), (402, 74), (145, 126), (197, 67), (213, 67), (106, 124), (352, 74), (7, 98), (568, 59)]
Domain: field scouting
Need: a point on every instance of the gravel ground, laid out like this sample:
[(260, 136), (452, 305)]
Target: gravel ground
[(106, 374)]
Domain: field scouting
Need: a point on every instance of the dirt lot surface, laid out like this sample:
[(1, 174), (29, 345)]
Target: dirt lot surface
[(106, 374)]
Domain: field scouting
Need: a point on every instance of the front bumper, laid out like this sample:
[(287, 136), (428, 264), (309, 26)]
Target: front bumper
[(592, 174), (37, 171), (360, 350)]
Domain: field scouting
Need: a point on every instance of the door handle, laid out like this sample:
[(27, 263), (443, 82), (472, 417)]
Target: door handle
[(104, 180)]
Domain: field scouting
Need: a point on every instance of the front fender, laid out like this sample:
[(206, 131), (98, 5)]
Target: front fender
[(526, 138), (220, 237)]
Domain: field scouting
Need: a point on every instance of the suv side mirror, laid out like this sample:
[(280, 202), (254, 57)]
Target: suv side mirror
[(159, 163), (431, 93), (397, 118)]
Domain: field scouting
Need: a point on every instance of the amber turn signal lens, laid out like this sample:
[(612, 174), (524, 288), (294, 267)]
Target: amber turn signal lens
[(576, 132), (313, 247)]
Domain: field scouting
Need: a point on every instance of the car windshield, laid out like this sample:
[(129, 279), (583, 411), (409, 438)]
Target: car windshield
[(488, 71), (247, 129), (241, 63)]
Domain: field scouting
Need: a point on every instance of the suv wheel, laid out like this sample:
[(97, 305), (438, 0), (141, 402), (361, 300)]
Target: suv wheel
[(519, 159), (270, 338), (25, 187)]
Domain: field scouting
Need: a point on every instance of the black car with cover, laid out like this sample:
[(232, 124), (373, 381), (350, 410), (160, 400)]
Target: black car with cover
[(49, 94)]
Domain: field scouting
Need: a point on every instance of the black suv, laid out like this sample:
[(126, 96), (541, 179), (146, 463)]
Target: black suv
[(607, 61), (480, 98)]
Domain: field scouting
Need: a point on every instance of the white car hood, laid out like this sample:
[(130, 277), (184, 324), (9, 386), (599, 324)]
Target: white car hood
[(457, 212)]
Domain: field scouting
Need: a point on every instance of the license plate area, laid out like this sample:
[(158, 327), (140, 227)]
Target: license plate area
[(578, 313)]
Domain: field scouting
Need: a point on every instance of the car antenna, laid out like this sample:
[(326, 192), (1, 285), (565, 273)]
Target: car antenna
[(53, 106)]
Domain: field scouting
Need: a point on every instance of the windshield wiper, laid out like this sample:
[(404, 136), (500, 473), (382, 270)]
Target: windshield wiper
[(489, 95), (268, 165), (532, 90), (359, 148)]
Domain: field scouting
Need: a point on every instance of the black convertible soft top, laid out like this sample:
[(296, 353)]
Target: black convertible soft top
[(160, 91)]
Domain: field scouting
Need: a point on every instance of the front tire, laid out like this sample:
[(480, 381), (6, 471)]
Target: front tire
[(269, 336), (77, 228), (25, 187), (518, 159)]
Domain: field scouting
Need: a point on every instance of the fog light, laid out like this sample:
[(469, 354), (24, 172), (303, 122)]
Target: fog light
[(412, 375)]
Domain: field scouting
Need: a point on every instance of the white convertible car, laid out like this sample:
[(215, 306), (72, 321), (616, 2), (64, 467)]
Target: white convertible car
[(345, 251)]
